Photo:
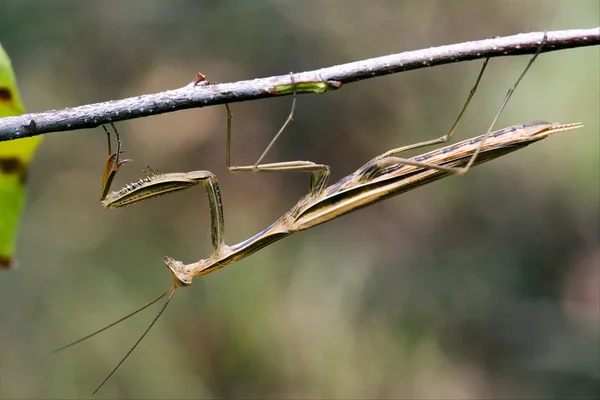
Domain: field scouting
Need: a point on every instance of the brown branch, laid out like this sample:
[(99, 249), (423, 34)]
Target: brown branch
[(190, 96)]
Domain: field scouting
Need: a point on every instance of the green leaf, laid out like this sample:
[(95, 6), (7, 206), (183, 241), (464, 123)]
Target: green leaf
[(15, 157)]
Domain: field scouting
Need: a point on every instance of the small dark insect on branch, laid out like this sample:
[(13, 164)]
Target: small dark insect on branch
[(199, 94)]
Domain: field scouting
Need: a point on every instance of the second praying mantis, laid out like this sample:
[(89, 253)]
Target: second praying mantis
[(382, 177)]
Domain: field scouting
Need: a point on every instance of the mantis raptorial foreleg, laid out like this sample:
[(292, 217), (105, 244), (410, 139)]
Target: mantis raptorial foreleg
[(156, 184), (113, 162)]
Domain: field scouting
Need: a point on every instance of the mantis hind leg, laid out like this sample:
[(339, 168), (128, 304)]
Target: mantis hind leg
[(447, 136), (389, 157), (319, 172)]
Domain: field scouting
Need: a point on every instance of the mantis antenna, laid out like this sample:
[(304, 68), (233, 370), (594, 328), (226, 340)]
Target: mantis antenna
[(382, 177), (171, 292), (110, 325)]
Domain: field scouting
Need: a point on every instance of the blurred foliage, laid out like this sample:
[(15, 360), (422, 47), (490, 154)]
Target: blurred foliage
[(483, 286)]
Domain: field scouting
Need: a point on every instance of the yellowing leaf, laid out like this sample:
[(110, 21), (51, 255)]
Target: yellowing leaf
[(15, 156)]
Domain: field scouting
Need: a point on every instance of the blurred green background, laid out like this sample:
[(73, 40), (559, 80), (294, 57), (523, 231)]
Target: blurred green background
[(483, 286)]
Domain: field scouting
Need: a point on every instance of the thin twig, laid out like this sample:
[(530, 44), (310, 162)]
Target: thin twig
[(191, 95)]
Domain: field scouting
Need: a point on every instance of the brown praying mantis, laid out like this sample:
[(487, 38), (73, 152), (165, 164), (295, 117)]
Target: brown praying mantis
[(382, 177)]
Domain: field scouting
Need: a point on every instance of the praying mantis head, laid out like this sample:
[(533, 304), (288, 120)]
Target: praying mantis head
[(180, 271)]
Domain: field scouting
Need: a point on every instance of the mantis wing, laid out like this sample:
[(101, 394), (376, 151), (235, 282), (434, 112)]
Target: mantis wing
[(14, 164)]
